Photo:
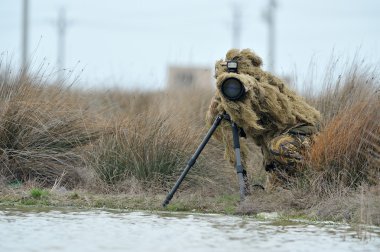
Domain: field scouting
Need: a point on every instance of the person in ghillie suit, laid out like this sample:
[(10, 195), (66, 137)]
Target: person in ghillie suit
[(276, 118)]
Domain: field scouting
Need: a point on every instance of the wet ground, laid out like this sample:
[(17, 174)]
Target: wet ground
[(32, 229)]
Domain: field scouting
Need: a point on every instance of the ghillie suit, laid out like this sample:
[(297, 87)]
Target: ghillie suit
[(276, 118)]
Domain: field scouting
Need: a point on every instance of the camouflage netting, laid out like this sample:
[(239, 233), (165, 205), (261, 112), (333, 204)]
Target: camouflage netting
[(267, 110)]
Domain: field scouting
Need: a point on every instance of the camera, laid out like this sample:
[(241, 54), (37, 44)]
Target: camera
[(232, 88)]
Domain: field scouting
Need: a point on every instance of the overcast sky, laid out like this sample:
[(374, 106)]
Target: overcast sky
[(131, 43)]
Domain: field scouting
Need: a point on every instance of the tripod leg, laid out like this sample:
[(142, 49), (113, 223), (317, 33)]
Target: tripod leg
[(239, 167), (193, 159)]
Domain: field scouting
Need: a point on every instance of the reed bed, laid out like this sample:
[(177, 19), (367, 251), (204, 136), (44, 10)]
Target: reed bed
[(346, 151), (129, 141)]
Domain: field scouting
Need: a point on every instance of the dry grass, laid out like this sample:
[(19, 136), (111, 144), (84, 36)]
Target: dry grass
[(150, 137), (40, 132), (136, 142), (145, 147), (346, 152)]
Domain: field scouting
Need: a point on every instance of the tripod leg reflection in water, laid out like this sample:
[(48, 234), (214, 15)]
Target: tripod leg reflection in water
[(239, 167)]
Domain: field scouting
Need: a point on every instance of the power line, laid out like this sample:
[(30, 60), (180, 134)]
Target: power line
[(61, 24), (61, 47), (269, 17), (25, 35), (236, 26)]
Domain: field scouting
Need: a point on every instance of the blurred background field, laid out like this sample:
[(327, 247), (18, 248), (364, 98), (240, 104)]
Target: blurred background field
[(133, 44)]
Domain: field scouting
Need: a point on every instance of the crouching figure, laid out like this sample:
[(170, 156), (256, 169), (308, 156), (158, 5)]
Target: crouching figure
[(276, 118)]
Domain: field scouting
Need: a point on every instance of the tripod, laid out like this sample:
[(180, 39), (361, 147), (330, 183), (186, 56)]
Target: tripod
[(239, 167)]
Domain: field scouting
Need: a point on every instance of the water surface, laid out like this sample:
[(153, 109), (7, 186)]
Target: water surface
[(101, 230)]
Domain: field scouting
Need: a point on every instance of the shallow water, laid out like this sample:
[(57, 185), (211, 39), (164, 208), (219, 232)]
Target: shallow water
[(100, 230)]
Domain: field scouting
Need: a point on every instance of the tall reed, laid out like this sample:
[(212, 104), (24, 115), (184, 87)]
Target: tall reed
[(41, 132), (347, 150)]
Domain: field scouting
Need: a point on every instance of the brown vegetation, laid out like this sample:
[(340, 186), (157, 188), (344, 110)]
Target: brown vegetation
[(136, 142), (346, 152), (41, 132)]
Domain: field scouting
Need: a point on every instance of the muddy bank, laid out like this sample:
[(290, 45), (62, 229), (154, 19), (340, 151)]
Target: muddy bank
[(353, 207)]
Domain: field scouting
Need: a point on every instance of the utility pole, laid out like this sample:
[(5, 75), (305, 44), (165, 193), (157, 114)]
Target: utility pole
[(25, 36), (269, 18), (236, 26), (61, 28)]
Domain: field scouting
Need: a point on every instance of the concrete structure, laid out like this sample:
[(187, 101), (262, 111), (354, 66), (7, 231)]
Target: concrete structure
[(189, 77)]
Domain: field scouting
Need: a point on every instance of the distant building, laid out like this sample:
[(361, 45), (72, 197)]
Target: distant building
[(189, 77)]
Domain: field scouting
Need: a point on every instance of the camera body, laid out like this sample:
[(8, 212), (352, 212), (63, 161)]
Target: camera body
[(232, 88)]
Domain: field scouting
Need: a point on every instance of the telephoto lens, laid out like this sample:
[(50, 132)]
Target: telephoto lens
[(233, 89)]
